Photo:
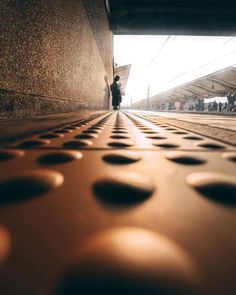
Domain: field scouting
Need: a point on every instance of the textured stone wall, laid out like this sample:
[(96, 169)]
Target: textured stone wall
[(97, 16), (55, 56)]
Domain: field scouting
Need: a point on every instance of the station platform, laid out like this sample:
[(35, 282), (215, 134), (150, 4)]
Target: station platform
[(121, 201)]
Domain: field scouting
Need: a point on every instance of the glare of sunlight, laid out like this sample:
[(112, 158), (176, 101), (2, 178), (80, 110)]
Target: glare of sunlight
[(163, 62)]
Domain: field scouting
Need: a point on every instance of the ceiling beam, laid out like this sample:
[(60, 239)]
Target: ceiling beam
[(204, 17)]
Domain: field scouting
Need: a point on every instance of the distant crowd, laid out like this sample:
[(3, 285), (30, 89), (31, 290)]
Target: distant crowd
[(227, 106), (200, 105)]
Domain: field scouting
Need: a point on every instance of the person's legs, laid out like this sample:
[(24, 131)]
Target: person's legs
[(114, 102)]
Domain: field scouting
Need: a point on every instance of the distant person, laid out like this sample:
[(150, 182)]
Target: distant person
[(234, 108), (209, 107), (215, 106), (116, 93), (231, 99), (225, 107), (202, 105), (220, 106)]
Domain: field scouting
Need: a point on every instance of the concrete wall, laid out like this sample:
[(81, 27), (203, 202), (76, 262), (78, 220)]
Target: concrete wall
[(55, 56)]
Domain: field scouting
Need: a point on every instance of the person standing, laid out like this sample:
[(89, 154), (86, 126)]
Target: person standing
[(220, 106), (116, 93)]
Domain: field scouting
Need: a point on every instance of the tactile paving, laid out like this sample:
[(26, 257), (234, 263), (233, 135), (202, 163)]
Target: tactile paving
[(104, 197), (122, 131)]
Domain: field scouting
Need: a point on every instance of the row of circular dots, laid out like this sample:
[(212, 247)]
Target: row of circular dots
[(60, 157), (82, 140), (94, 255), (207, 145), (148, 130), (29, 185), (91, 132), (157, 267), (119, 129)]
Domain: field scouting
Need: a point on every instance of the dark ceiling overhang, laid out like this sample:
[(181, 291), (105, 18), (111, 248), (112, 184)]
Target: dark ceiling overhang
[(173, 17)]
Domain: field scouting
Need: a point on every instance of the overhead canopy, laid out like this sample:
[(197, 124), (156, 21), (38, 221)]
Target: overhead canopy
[(180, 17), (218, 84), (123, 73)]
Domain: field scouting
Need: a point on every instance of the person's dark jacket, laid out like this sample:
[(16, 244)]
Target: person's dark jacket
[(116, 94)]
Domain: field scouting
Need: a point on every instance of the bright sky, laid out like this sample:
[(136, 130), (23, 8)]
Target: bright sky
[(167, 61)]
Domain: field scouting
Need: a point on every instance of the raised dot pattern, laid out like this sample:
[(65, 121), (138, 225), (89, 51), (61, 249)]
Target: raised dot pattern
[(120, 189), (124, 188), (29, 184)]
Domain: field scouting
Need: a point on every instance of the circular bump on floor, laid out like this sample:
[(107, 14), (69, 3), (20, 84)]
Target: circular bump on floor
[(145, 129), (92, 131), (156, 137), (29, 184), (100, 127), (119, 131), (124, 188), (86, 136), (121, 158), (7, 154), (50, 136), (60, 157), (33, 143), (184, 158), (119, 137), (5, 245), (68, 129), (149, 132), (192, 137), (119, 128), (211, 146), (180, 132), (96, 128), (166, 145), (216, 186), (129, 260), (79, 125), (230, 156), (120, 144), (116, 131), (72, 128), (62, 131), (170, 129), (74, 144)]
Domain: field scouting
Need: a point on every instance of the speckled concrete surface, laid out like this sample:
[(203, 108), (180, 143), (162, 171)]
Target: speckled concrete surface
[(97, 16), (50, 61)]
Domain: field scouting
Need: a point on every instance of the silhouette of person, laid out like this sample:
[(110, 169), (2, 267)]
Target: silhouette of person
[(116, 94)]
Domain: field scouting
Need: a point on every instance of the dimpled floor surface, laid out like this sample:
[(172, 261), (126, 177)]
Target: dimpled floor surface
[(118, 203)]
